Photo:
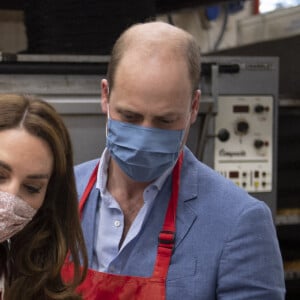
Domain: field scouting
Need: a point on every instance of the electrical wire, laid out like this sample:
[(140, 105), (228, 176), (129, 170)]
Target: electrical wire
[(224, 25)]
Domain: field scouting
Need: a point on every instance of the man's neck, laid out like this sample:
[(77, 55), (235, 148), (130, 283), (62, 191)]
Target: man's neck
[(128, 194)]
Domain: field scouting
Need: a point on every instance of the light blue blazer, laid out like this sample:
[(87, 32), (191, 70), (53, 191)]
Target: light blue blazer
[(226, 244)]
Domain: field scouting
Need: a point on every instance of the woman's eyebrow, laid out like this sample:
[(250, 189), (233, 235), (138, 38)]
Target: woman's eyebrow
[(33, 176), (38, 176), (5, 166)]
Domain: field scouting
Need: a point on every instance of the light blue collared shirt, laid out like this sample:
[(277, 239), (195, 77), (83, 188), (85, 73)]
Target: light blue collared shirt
[(110, 218)]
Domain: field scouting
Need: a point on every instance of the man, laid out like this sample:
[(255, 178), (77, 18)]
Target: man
[(158, 223)]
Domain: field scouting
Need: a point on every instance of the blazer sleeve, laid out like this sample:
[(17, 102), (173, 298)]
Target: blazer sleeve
[(251, 263)]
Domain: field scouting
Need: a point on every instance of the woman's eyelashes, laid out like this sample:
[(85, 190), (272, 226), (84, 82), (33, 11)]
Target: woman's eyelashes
[(32, 189)]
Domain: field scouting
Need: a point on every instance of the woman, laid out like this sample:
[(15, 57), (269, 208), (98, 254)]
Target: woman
[(39, 221)]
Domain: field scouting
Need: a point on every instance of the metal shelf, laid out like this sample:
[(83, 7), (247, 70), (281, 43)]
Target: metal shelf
[(291, 219)]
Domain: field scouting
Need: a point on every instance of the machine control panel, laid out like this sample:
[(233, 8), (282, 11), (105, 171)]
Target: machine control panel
[(244, 141)]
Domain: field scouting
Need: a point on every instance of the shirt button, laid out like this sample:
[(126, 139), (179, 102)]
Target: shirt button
[(117, 223)]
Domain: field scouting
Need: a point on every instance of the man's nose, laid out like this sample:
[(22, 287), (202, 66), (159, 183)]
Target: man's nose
[(146, 123)]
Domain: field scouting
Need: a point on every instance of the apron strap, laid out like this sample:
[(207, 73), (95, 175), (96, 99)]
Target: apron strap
[(166, 239), (88, 189)]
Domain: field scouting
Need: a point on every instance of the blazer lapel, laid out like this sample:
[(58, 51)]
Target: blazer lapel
[(188, 192)]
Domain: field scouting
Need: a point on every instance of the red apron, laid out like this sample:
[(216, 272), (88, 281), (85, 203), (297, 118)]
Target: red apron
[(99, 285)]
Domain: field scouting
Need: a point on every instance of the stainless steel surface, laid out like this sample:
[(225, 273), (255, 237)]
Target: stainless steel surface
[(54, 58)]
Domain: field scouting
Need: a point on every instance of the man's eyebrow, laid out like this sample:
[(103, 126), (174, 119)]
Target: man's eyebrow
[(126, 110), (5, 166), (168, 115)]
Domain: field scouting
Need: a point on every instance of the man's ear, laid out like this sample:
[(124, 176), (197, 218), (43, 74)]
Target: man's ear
[(195, 105), (104, 95)]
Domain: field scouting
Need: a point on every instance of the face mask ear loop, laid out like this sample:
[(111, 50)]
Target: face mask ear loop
[(108, 117), (183, 136)]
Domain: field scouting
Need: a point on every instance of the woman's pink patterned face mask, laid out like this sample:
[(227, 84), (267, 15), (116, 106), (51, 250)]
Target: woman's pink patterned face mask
[(15, 213)]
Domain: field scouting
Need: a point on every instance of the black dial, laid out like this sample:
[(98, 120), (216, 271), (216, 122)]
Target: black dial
[(242, 127), (259, 108), (258, 144), (223, 135)]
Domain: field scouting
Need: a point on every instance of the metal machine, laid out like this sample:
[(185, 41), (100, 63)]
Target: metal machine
[(235, 133), (239, 130)]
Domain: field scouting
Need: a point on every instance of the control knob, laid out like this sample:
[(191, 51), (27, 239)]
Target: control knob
[(258, 144), (259, 108), (242, 127), (223, 135)]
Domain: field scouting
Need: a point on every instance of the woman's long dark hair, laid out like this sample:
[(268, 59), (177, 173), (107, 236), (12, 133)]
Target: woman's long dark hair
[(32, 264)]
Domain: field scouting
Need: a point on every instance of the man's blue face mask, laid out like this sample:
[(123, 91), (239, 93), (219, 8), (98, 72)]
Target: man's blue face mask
[(143, 153)]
